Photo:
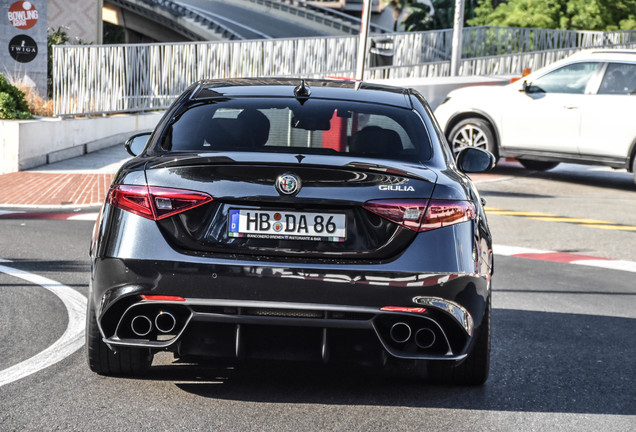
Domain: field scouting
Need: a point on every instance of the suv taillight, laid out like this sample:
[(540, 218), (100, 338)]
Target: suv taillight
[(423, 215), (155, 202)]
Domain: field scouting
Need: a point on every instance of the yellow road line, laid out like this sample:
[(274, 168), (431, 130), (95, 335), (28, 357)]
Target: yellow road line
[(546, 217), (572, 220), (613, 227)]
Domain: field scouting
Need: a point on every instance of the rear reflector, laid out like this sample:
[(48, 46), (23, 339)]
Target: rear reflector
[(161, 298), (423, 215), (155, 202), (403, 309)]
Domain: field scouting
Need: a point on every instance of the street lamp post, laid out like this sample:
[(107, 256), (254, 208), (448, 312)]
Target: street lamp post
[(458, 30), (364, 35)]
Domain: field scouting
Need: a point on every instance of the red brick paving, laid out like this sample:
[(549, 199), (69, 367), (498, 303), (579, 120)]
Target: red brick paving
[(53, 189)]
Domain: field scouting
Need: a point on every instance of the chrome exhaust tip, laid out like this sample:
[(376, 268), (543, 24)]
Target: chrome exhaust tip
[(424, 338), (165, 322), (400, 332), (141, 325)]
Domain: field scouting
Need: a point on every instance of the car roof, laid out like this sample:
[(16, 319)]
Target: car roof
[(606, 55), (321, 89)]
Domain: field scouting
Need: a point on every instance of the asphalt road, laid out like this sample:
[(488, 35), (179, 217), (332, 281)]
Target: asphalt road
[(563, 339)]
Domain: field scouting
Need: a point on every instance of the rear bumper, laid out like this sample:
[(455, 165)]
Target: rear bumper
[(225, 311), (243, 330), (244, 308)]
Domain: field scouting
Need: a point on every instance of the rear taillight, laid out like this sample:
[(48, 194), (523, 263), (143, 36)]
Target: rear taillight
[(423, 215), (407, 213), (441, 213), (155, 202)]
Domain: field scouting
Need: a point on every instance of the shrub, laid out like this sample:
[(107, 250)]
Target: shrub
[(13, 105)]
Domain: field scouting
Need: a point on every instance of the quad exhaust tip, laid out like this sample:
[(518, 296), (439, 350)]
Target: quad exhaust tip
[(400, 332), (424, 338), (141, 325), (165, 322)]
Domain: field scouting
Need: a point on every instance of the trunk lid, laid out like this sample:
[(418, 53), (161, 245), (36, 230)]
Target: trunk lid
[(329, 201)]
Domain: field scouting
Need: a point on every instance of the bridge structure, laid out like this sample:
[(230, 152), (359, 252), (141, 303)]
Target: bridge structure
[(214, 20)]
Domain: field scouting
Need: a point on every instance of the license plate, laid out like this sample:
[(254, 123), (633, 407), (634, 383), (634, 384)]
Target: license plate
[(287, 225)]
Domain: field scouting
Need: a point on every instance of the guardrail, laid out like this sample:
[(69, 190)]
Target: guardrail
[(490, 41), (321, 15), (509, 64), (90, 79), (165, 12)]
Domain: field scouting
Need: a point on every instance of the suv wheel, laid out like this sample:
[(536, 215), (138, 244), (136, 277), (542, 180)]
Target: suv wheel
[(472, 132)]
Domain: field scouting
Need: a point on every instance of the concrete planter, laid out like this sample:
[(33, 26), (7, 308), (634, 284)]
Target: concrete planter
[(27, 144)]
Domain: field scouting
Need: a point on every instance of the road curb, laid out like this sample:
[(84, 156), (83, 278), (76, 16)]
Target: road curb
[(565, 257)]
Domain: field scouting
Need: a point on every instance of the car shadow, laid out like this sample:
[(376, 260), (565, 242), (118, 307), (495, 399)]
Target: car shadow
[(541, 362), (572, 173)]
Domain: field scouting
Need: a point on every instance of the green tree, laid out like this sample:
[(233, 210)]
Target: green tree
[(558, 14), (441, 16), (398, 7), (55, 37)]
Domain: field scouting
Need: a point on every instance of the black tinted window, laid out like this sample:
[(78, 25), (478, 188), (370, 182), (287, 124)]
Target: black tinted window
[(321, 126)]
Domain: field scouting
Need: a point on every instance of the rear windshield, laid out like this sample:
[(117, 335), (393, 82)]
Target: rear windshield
[(290, 125)]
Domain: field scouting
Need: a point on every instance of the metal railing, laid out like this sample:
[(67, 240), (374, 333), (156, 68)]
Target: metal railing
[(91, 79)]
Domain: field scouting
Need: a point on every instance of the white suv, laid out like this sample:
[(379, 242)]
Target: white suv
[(579, 110)]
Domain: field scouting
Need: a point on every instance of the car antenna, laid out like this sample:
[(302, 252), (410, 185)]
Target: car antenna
[(302, 91)]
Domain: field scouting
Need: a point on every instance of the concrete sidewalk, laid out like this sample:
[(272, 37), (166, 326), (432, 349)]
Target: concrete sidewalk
[(79, 182)]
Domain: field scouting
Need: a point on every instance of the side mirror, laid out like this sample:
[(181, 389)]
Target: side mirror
[(475, 160), (136, 143), (529, 88)]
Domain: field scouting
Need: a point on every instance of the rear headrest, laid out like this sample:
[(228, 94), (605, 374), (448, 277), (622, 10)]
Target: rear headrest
[(256, 127), (376, 140), (224, 132)]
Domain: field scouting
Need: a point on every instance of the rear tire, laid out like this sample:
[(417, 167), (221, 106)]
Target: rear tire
[(634, 168), (472, 132), (537, 165), (475, 367), (104, 361)]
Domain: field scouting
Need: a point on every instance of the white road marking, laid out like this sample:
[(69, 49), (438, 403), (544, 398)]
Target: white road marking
[(84, 217), (515, 250), (628, 266), (610, 264), (67, 344)]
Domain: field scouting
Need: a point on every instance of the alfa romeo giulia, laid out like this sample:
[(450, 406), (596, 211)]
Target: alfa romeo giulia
[(275, 219)]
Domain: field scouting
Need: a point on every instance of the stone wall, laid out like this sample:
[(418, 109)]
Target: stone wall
[(83, 18)]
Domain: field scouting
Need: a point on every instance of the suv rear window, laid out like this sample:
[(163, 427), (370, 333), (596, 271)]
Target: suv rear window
[(291, 125)]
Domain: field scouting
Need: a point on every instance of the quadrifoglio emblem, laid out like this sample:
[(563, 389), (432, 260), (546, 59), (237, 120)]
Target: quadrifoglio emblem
[(288, 184)]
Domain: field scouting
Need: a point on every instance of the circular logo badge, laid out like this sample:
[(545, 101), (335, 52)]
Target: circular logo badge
[(288, 184), (23, 15), (23, 49)]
